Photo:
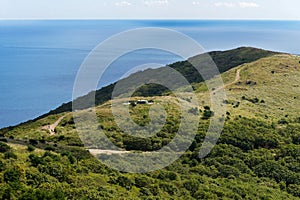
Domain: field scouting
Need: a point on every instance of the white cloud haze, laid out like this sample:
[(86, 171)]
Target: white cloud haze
[(150, 9), (248, 5), (123, 4), (237, 4), (156, 3), (224, 4)]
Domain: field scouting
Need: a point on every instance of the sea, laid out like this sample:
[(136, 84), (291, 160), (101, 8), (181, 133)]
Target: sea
[(39, 59)]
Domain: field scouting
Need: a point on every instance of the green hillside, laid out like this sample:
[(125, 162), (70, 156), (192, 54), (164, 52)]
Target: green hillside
[(224, 60), (256, 157)]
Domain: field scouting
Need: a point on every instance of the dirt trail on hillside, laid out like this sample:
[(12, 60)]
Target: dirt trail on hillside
[(106, 152), (51, 128), (237, 78)]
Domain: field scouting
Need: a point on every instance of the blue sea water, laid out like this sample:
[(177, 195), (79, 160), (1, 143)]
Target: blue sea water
[(39, 59)]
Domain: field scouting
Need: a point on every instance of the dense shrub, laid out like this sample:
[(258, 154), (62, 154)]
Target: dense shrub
[(4, 147), (12, 175), (30, 148), (10, 154)]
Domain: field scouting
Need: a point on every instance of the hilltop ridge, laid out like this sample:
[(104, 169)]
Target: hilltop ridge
[(224, 60)]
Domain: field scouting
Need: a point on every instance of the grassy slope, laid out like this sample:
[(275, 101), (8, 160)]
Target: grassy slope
[(277, 84)]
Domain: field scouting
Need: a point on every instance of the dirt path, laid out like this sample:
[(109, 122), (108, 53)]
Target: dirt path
[(238, 75), (237, 78), (96, 152), (51, 128), (106, 152)]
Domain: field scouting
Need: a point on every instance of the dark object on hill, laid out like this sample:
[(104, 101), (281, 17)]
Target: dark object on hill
[(251, 83)]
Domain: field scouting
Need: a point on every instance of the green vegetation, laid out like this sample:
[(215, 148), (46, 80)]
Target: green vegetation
[(256, 157), (250, 156)]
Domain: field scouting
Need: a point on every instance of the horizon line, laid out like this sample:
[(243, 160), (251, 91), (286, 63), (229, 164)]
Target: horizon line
[(146, 19)]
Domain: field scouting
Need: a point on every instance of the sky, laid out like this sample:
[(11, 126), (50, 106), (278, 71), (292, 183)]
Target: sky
[(150, 9)]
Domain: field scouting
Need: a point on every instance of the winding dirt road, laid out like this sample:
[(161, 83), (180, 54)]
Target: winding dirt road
[(106, 152), (51, 128), (237, 78)]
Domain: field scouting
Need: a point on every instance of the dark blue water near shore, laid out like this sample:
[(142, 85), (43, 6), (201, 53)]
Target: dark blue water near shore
[(39, 59)]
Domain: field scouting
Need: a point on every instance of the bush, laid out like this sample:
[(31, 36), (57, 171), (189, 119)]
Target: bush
[(134, 143), (30, 148), (169, 188), (50, 148), (206, 108), (142, 181), (12, 175), (191, 185), (167, 175), (4, 147), (2, 166), (125, 182), (296, 138), (35, 160), (61, 137), (272, 169), (33, 142), (227, 170), (3, 140), (200, 194), (283, 121), (9, 155), (207, 114), (254, 100), (294, 190), (145, 192), (55, 170)]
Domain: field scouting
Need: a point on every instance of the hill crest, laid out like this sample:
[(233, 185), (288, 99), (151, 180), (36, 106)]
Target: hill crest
[(224, 60)]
